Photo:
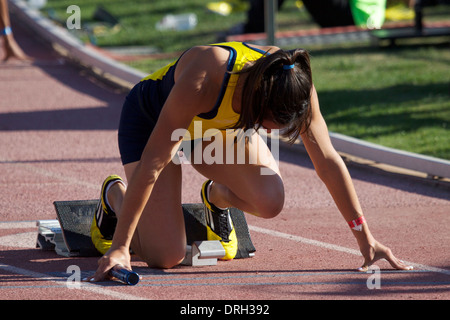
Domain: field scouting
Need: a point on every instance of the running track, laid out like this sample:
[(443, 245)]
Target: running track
[(58, 142)]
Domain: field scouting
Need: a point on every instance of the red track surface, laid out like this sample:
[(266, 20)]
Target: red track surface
[(58, 142)]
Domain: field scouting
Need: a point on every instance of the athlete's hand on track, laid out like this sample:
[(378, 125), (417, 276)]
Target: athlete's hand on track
[(376, 251), (111, 258)]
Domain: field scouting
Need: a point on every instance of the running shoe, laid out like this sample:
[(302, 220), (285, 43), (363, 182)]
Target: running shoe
[(105, 220), (219, 225)]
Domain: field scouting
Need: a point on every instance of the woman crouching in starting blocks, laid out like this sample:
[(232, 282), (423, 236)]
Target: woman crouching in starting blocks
[(223, 86)]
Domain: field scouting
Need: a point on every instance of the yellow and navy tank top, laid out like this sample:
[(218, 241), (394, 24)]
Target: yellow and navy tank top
[(157, 86)]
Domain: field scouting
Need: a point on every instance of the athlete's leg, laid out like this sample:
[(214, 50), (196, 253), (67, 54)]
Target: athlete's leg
[(160, 237), (247, 186)]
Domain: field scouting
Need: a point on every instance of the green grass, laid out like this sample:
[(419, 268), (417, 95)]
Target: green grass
[(138, 19), (397, 97)]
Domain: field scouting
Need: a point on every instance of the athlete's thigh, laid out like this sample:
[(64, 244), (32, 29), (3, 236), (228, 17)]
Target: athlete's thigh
[(253, 178), (160, 237), (234, 148)]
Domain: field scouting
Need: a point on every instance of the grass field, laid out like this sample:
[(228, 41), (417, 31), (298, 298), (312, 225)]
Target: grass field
[(397, 97)]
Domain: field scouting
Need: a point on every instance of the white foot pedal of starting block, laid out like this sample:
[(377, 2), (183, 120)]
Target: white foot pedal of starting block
[(203, 253), (50, 237)]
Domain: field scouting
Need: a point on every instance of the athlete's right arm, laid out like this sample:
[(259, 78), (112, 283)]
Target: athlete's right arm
[(197, 85)]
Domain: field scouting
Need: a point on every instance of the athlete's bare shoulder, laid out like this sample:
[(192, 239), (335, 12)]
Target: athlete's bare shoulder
[(209, 61), (270, 49), (199, 76)]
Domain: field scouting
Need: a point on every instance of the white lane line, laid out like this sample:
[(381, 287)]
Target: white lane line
[(17, 224), (84, 285), (28, 240), (58, 176), (28, 224), (335, 247), (19, 240)]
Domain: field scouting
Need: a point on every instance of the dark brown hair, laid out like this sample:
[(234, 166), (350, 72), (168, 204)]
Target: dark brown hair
[(277, 93)]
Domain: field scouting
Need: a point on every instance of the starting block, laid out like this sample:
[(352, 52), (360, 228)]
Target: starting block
[(69, 235), (203, 253), (50, 237)]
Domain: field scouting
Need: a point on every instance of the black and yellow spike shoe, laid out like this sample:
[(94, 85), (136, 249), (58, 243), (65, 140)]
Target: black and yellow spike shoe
[(219, 225), (105, 220)]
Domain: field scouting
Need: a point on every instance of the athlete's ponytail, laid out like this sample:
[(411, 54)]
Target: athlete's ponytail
[(278, 88)]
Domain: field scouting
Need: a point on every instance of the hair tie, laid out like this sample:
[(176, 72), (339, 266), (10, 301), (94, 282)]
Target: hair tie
[(6, 31), (288, 66)]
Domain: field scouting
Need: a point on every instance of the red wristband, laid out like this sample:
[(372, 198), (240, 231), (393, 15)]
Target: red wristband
[(357, 223)]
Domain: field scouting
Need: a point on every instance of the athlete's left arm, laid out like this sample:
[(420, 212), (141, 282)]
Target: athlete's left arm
[(329, 165), (332, 170)]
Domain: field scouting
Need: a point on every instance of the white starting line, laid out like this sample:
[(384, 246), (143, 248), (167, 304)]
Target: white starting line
[(28, 240)]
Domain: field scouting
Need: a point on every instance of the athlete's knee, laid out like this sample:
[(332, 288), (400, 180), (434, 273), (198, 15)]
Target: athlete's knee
[(270, 207), (166, 263), (166, 259), (269, 199)]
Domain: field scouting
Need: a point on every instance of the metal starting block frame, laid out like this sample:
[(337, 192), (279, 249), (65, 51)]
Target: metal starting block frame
[(50, 237), (70, 235), (203, 253)]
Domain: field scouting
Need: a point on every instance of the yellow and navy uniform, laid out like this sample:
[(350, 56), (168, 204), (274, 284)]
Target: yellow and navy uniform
[(159, 84), (150, 94)]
